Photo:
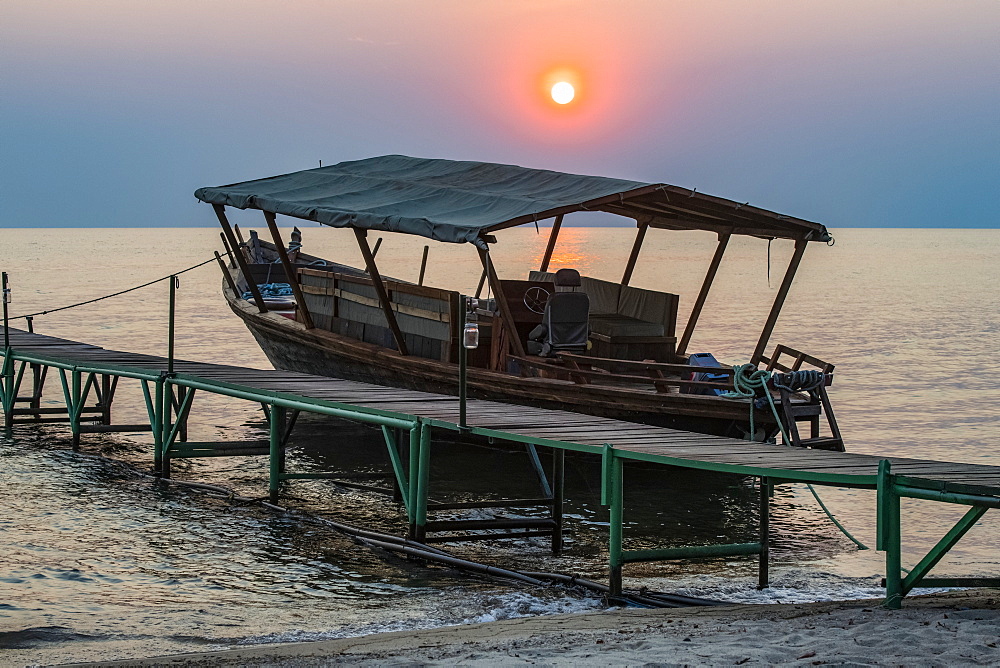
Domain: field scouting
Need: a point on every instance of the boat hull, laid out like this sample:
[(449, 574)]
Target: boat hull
[(288, 345)]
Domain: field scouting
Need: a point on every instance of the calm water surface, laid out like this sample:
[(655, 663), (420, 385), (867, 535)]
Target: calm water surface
[(98, 562)]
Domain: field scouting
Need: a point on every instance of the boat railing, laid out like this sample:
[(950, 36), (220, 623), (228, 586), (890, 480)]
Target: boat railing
[(349, 305), (798, 359), (660, 377)]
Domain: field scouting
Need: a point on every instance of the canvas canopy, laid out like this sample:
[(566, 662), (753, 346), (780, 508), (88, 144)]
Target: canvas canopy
[(458, 202)]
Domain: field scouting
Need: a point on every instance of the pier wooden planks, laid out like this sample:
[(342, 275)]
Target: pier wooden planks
[(548, 426)]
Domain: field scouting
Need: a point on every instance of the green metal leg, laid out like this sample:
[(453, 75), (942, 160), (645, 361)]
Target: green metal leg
[(765, 533), (75, 408), (536, 463), (938, 551), (889, 538), (615, 486), (7, 393), (413, 473), (277, 423), (153, 411), (423, 482), (558, 495), (397, 467), (183, 408), (160, 429)]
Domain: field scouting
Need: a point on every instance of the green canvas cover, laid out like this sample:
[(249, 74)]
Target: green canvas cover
[(443, 200), (459, 202)]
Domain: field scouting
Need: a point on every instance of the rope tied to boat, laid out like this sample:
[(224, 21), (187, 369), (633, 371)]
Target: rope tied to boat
[(803, 380), (751, 383)]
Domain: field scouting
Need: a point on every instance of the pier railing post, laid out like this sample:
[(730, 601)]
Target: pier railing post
[(888, 535)]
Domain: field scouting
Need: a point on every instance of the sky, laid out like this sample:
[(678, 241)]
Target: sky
[(848, 113)]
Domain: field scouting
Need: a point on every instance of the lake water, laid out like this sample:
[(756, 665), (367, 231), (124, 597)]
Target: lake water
[(97, 561)]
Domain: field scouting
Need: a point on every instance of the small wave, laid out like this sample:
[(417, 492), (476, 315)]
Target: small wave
[(38, 635)]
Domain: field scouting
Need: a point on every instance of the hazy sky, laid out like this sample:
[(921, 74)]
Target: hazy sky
[(852, 114)]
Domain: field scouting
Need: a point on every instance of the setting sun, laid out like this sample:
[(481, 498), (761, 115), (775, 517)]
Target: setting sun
[(563, 92)]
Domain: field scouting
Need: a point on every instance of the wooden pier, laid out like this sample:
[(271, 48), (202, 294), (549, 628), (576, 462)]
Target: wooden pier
[(89, 376)]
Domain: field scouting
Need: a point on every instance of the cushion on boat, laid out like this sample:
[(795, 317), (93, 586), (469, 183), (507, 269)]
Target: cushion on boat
[(649, 306), (603, 294)]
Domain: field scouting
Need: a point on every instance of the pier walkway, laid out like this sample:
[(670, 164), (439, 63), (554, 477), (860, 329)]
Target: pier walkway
[(90, 373)]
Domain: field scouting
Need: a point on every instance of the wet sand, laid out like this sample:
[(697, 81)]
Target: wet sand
[(957, 628)]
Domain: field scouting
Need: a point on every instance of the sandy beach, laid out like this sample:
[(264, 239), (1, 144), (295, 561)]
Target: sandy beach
[(957, 628)]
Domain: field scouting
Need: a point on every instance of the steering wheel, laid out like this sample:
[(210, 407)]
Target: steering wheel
[(535, 299)]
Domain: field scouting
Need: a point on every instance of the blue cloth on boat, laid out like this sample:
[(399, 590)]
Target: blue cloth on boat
[(271, 290)]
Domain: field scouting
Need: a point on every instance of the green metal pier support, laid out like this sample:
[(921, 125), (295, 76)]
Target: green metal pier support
[(8, 391), (613, 496), (277, 424), (420, 472), (891, 489), (887, 536)]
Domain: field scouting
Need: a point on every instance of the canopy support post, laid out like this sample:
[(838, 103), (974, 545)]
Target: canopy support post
[(634, 255), (779, 299), (293, 279), (699, 303), (505, 314), (383, 296), (551, 245), (220, 213)]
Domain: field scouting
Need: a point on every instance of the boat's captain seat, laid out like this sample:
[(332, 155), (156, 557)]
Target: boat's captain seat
[(566, 321)]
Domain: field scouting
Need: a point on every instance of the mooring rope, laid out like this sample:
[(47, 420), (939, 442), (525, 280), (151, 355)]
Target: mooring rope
[(114, 294), (861, 546), (748, 380)]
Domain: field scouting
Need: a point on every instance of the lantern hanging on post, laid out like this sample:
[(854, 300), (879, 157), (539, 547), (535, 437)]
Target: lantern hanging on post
[(470, 337)]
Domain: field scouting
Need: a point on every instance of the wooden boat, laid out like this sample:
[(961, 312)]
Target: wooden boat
[(357, 324)]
